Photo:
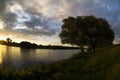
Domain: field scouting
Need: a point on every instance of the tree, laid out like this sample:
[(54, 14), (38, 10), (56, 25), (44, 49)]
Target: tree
[(86, 30), (25, 44), (9, 40)]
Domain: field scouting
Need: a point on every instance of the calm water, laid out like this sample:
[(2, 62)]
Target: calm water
[(22, 58)]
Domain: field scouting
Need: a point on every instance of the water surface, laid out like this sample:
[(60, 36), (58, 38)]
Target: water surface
[(22, 58)]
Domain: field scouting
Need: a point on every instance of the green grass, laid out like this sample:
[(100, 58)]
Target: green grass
[(102, 65)]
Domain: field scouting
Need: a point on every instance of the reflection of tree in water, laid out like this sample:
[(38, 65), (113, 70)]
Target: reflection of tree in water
[(8, 50), (28, 57), (8, 53), (7, 56), (27, 51)]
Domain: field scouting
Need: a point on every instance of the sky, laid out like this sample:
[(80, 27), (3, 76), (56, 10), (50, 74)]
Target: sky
[(40, 21)]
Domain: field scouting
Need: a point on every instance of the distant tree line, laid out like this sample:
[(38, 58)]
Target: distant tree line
[(26, 44)]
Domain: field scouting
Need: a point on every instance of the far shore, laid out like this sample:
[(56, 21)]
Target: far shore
[(29, 45)]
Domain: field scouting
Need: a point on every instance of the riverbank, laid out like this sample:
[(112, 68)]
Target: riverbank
[(103, 65)]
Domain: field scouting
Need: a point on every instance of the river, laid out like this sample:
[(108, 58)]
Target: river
[(19, 58)]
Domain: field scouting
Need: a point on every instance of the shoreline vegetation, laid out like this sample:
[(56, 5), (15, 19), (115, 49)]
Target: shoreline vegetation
[(29, 45), (104, 65)]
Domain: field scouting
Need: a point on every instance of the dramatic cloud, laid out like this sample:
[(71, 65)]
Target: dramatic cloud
[(43, 18), (2, 6), (31, 21)]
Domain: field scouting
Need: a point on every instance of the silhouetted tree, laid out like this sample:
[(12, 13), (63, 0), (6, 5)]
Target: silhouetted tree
[(25, 44), (86, 30), (9, 40)]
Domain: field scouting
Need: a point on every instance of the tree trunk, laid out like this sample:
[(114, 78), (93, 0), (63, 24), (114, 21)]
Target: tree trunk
[(93, 43), (82, 50), (93, 46)]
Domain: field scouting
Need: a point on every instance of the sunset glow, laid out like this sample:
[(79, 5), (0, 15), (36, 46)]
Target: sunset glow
[(2, 38)]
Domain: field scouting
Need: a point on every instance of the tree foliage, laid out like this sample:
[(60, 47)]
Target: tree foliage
[(86, 30), (8, 40), (25, 44)]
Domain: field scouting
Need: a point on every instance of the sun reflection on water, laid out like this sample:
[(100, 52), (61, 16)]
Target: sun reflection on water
[(0, 55)]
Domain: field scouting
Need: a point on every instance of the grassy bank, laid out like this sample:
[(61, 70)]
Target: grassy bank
[(102, 65)]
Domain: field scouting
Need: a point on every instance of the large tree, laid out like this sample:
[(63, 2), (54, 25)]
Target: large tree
[(86, 30)]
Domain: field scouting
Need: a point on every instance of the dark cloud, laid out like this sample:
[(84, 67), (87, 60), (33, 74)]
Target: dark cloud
[(35, 21), (10, 19), (39, 26), (36, 32), (2, 6), (33, 10)]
